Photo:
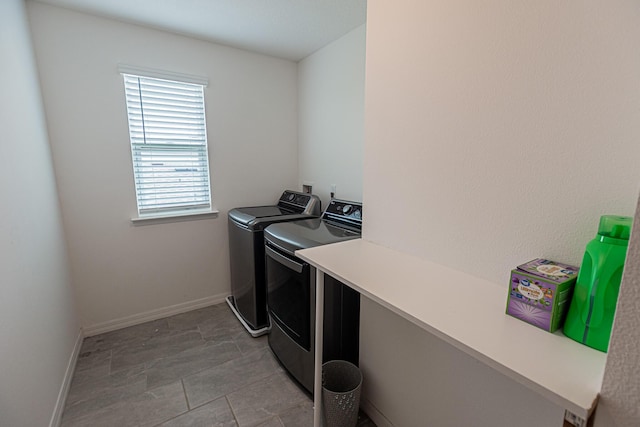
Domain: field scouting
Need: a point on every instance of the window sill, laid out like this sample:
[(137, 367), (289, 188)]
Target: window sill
[(175, 217)]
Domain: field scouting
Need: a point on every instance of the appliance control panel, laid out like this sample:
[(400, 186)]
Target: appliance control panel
[(303, 202), (344, 210)]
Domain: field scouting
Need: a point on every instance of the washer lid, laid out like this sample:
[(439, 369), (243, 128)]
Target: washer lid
[(258, 217), (308, 233), (246, 215)]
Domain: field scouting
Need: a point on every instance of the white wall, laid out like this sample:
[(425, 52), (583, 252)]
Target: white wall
[(38, 326), (121, 270), (506, 129), (415, 379), (496, 132), (331, 117)]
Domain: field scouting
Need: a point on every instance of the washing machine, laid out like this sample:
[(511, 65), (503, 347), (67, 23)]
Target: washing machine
[(247, 256)]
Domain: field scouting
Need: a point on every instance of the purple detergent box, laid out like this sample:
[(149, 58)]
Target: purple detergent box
[(540, 292)]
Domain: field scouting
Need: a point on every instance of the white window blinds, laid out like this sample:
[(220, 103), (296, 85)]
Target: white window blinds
[(168, 145)]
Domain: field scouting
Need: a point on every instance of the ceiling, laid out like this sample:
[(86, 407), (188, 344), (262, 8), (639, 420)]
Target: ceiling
[(289, 29)]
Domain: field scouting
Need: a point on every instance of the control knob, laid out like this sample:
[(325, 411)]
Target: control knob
[(346, 209)]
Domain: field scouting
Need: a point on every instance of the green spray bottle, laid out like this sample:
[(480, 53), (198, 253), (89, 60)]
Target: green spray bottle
[(593, 305)]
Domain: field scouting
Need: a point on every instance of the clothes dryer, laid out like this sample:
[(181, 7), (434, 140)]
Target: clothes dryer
[(291, 292)]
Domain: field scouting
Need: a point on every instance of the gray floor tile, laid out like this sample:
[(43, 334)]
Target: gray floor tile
[(302, 416), (89, 395), (221, 325), (299, 416), (191, 319), (193, 360), (126, 336), (272, 422), (246, 343), (154, 348), (145, 409), (213, 414), (91, 360), (93, 373), (265, 399), (216, 382), (143, 375)]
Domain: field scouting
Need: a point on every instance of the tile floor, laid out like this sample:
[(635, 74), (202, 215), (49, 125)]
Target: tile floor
[(194, 369)]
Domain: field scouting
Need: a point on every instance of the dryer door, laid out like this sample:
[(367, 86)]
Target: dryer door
[(289, 294)]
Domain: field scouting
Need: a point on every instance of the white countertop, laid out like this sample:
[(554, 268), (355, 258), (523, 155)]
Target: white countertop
[(469, 313)]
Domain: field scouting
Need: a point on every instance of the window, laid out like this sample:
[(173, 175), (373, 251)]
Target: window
[(168, 145)]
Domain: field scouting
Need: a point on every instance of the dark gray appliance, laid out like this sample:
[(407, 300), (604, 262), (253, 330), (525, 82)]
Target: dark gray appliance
[(291, 292), (246, 254)]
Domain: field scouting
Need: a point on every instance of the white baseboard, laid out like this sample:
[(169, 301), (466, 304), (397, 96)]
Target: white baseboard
[(147, 316), (56, 418), (373, 413)]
